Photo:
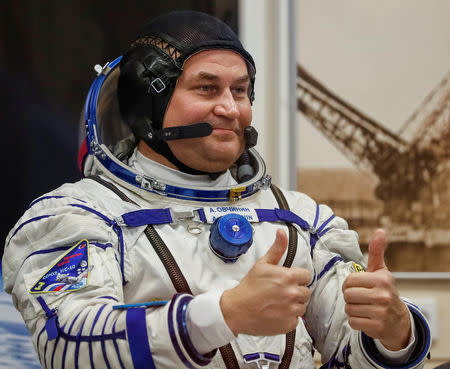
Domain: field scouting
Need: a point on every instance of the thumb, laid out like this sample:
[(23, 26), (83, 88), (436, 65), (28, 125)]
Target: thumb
[(376, 251), (276, 251)]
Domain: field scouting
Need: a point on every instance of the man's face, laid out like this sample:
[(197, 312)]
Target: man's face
[(212, 88)]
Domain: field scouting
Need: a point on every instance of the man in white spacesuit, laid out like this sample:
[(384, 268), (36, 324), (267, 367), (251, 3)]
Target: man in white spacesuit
[(177, 251)]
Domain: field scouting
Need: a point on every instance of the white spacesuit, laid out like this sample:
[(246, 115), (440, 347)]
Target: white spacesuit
[(125, 268)]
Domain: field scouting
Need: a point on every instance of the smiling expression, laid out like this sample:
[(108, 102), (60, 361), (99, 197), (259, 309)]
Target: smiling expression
[(213, 87)]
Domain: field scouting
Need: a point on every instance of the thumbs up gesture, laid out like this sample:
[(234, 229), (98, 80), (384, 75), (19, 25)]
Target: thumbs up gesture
[(372, 302), (270, 298)]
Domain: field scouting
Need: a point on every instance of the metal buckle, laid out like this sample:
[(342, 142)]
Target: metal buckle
[(161, 84), (236, 193), (151, 184), (102, 70), (181, 215), (188, 215), (263, 183), (262, 360)]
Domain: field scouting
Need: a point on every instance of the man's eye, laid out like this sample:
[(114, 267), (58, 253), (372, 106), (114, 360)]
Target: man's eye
[(240, 91), (206, 88)]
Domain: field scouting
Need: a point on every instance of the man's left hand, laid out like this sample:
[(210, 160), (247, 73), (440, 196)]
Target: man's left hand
[(372, 301)]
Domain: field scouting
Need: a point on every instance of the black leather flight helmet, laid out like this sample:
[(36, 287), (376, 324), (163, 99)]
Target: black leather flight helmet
[(151, 67)]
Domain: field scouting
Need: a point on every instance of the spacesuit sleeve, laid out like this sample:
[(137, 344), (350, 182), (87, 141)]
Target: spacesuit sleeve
[(63, 265), (338, 343)]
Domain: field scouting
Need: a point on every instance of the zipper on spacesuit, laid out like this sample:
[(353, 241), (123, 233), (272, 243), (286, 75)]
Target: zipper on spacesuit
[(289, 351), (172, 268), (292, 247), (292, 250), (228, 356)]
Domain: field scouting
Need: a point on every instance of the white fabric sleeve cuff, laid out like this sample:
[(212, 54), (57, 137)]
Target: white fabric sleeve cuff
[(205, 322), (399, 357)]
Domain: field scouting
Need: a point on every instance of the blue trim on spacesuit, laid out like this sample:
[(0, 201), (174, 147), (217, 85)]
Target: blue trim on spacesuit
[(334, 361), (316, 218), (45, 354), (201, 214), (101, 245), (313, 279), (143, 217), (177, 311), (118, 231), (94, 338), (26, 222), (87, 208), (423, 325), (267, 215), (184, 334), (147, 216), (257, 356), (50, 197), (38, 344), (329, 265), (273, 357), (108, 221), (90, 115), (45, 198), (67, 341), (142, 304), (116, 346), (157, 216), (116, 228), (63, 248), (48, 251), (109, 298), (91, 333), (77, 348), (174, 191), (321, 231), (138, 339), (172, 334), (250, 357), (316, 233), (51, 324), (105, 356), (78, 338), (54, 352)]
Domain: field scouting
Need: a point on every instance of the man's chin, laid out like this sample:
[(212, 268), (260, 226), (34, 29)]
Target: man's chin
[(217, 157), (214, 168), (214, 165)]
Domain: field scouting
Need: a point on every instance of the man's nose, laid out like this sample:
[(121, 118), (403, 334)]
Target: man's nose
[(227, 106)]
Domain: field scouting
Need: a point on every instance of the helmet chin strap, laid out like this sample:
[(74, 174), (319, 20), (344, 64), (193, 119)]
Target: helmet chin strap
[(194, 130)]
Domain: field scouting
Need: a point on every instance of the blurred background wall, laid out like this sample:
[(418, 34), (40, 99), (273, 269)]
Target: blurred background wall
[(374, 134), (48, 50)]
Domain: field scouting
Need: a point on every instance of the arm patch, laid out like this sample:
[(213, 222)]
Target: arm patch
[(358, 268), (70, 272)]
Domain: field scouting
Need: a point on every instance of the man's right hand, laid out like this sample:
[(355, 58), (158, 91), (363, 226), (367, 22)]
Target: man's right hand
[(270, 298)]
